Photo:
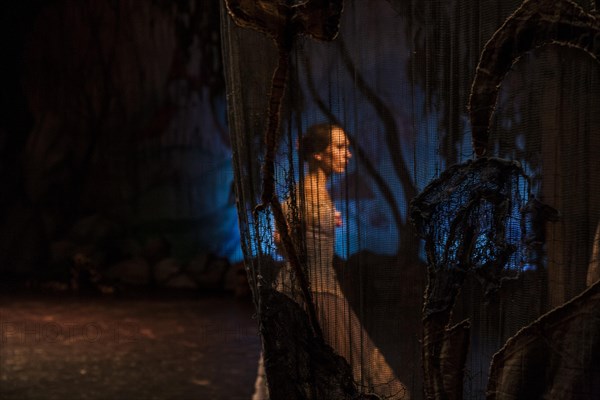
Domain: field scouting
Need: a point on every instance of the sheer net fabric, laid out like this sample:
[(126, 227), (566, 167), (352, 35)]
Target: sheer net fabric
[(398, 79), (342, 329)]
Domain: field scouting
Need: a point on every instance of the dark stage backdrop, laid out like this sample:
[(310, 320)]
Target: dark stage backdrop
[(113, 140), (398, 79)]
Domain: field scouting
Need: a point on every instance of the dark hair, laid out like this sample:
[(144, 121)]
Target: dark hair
[(315, 140)]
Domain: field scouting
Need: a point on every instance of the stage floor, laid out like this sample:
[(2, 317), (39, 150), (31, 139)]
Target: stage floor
[(135, 348)]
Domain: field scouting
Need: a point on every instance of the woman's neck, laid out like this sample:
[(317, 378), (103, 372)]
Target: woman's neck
[(318, 178)]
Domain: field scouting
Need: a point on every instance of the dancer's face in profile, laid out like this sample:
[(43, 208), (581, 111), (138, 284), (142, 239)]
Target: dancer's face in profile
[(334, 158)]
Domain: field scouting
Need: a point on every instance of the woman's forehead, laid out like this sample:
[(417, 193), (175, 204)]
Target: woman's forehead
[(338, 136)]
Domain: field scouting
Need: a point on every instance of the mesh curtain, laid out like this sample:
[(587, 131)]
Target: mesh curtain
[(397, 78)]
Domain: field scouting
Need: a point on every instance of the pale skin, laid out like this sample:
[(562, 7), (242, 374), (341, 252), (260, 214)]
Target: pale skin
[(321, 165), (318, 218)]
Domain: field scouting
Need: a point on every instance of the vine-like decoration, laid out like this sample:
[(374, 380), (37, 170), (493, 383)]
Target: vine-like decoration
[(555, 356), (467, 217), (535, 23), (452, 228), (282, 20)]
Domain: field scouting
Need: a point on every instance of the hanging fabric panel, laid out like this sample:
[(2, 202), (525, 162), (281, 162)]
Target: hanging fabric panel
[(337, 267)]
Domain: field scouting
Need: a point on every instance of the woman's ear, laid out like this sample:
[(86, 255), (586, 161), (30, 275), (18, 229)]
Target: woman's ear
[(318, 156)]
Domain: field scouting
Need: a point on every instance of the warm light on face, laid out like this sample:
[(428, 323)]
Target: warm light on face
[(334, 158)]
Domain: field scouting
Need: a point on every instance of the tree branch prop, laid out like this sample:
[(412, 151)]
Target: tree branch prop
[(386, 115), (360, 153), (536, 23)]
